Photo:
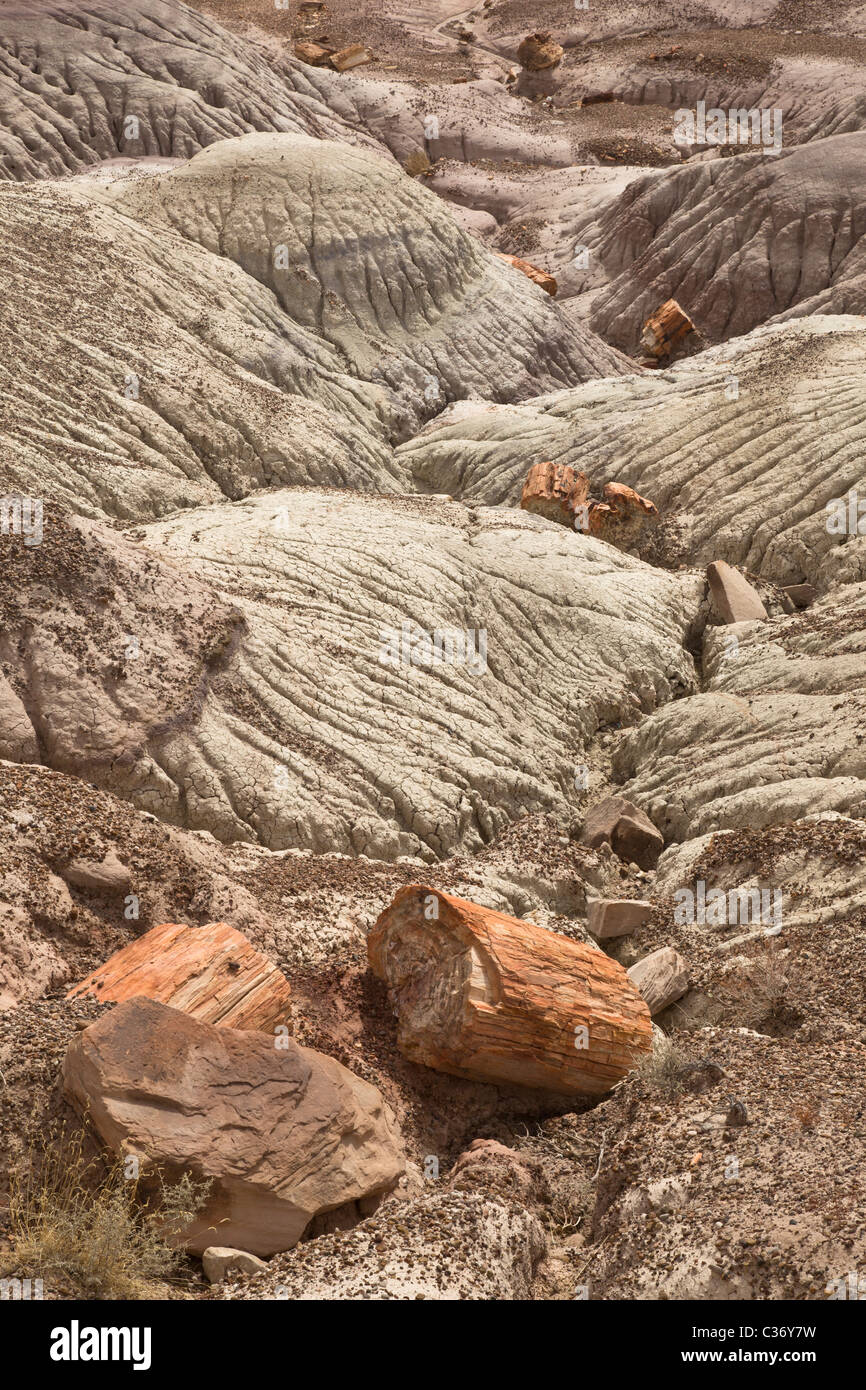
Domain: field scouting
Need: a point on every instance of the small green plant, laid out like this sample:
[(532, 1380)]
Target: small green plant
[(86, 1224)]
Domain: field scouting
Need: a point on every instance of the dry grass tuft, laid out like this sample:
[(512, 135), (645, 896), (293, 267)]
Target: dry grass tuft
[(664, 1068), (77, 1223)]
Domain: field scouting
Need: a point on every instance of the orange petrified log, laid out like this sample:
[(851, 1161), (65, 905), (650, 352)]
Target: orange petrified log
[(485, 996), (540, 277), (622, 516), (539, 51), (665, 328), (211, 973), (554, 490)]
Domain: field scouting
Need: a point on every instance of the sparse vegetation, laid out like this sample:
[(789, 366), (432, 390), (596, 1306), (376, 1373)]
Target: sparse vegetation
[(567, 1209), (89, 1228), (806, 1113), (761, 990), (663, 1068)]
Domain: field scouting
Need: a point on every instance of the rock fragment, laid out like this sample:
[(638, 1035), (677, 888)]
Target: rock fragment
[(665, 329), (662, 978), (555, 491), (532, 272), (220, 1260), (558, 492), (616, 821), (610, 917), (539, 51), (352, 57), (622, 516), (733, 596), (107, 876), (316, 54), (801, 595)]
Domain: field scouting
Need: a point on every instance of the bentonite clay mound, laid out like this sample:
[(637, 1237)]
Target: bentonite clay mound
[(433, 656)]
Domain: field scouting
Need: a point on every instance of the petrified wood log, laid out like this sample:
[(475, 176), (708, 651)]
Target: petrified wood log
[(665, 329), (211, 973), (539, 51), (485, 996), (555, 491), (532, 272)]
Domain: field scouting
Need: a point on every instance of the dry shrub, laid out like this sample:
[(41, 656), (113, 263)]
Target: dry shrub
[(664, 1068), (761, 990), (568, 1207), (87, 1226), (806, 1113)]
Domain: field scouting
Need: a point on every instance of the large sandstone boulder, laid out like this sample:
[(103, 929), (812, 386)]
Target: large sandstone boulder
[(486, 996), (283, 1132), (211, 973)]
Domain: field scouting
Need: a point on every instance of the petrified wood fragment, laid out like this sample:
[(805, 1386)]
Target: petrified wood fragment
[(532, 272), (665, 329), (555, 491), (211, 973)]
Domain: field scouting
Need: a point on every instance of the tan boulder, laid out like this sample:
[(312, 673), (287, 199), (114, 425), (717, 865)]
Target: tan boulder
[(219, 1261), (610, 917), (352, 57), (211, 973), (316, 54), (801, 595), (616, 821), (107, 875), (539, 277), (734, 598), (283, 1132), (662, 978), (486, 996)]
